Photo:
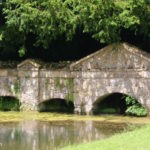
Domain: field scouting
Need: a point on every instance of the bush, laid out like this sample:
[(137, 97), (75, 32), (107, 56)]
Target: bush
[(134, 108), (9, 104)]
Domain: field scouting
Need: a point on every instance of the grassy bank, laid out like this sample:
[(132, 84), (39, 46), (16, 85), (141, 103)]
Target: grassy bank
[(134, 140)]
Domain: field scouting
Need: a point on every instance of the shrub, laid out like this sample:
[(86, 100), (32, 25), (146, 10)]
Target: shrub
[(134, 108), (9, 104)]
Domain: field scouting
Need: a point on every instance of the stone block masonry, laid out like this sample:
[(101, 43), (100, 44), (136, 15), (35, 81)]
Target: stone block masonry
[(120, 68)]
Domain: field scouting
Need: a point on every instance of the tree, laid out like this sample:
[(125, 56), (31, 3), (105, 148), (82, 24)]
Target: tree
[(48, 20)]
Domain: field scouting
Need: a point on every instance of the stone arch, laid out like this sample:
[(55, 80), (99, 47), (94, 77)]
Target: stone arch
[(113, 103), (140, 94), (7, 89), (56, 105), (138, 98)]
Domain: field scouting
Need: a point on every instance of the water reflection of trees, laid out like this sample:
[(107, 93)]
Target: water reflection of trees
[(33, 135)]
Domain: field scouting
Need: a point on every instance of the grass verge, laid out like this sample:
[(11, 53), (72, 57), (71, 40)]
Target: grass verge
[(133, 140)]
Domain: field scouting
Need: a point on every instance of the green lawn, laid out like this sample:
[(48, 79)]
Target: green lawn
[(139, 139)]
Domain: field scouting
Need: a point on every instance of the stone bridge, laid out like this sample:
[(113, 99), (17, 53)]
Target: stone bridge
[(120, 68)]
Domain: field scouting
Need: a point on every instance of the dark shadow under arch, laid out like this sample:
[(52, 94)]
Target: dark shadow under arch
[(113, 103), (56, 105), (8, 103)]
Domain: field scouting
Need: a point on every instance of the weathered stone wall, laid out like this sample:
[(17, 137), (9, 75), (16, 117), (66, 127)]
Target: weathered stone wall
[(126, 70), (84, 88), (8, 82), (56, 84), (91, 86), (114, 57), (33, 86), (114, 69)]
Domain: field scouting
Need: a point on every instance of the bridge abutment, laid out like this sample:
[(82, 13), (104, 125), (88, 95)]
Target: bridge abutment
[(77, 109), (83, 109), (88, 110)]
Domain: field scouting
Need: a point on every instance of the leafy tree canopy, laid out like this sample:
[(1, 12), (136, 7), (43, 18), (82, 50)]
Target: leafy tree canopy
[(48, 20)]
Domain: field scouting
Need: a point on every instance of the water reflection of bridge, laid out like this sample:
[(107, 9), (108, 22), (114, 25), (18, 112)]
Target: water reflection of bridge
[(33, 135)]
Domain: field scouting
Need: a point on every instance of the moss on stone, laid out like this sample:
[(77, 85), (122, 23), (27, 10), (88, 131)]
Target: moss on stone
[(17, 87), (66, 83)]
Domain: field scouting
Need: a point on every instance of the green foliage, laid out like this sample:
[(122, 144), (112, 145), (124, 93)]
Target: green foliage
[(70, 85), (100, 19), (58, 83), (136, 111), (9, 104), (130, 100), (134, 108), (1, 34), (49, 20), (17, 87), (22, 51)]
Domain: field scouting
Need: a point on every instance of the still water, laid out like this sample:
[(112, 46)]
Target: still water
[(37, 135)]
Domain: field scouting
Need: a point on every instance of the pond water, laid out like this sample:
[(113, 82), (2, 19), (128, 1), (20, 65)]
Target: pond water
[(40, 135)]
